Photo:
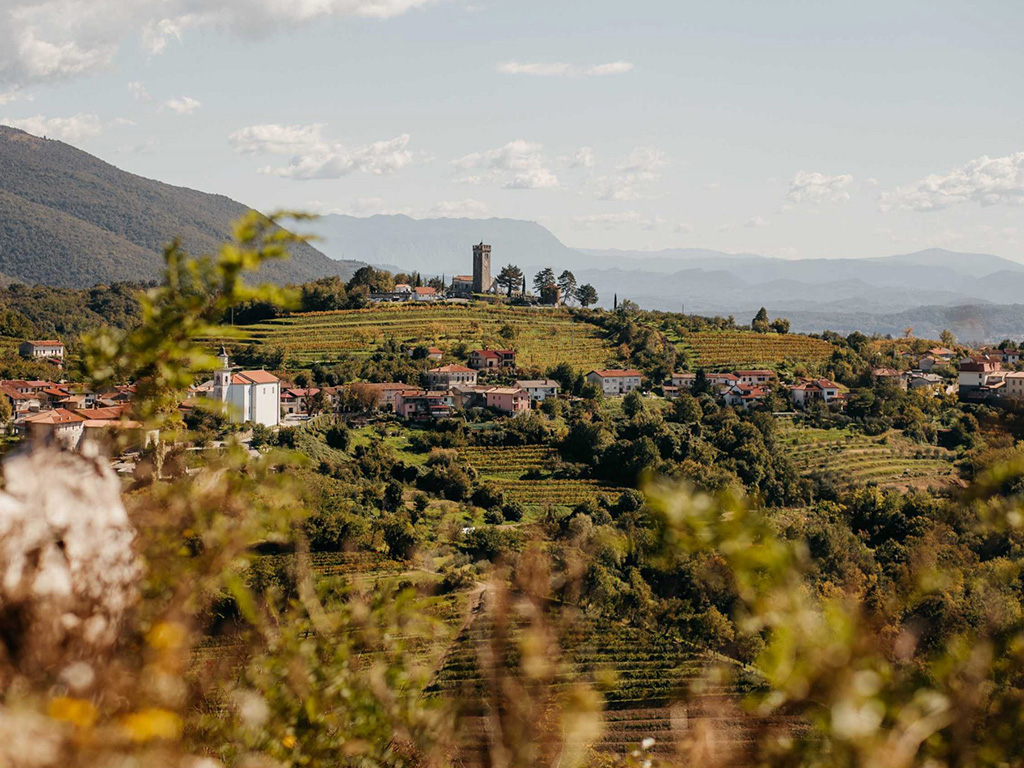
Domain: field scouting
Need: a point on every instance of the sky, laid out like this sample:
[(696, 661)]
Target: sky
[(793, 129)]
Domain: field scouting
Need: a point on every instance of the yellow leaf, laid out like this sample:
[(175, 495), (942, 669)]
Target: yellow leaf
[(152, 723), (77, 711)]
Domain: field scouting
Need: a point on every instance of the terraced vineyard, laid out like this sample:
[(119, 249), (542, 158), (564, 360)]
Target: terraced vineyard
[(523, 473), (858, 458), (745, 349), (640, 672), (541, 337)]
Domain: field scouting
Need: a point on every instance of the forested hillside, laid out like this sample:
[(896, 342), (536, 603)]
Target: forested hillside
[(69, 219)]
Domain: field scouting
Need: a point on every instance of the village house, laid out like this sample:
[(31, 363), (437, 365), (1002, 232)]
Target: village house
[(510, 400), (486, 359), (928, 362), (421, 405), (387, 394), (47, 349), (684, 380), (616, 381), (295, 400), (1015, 385), (403, 288), (248, 395), (449, 375), (889, 376), (973, 377), (745, 395), (462, 285), (58, 424), (21, 402), (722, 380), (917, 380), (755, 377), (539, 390), (425, 293), (814, 390), (941, 353)]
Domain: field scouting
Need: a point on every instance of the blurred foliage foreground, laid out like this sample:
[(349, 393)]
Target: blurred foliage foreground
[(105, 597)]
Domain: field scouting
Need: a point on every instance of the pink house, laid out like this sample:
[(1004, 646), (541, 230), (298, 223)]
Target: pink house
[(508, 399)]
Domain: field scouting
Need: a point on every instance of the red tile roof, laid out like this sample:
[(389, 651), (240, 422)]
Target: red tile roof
[(56, 416), (254, 377), (451, 369), (616, 372)]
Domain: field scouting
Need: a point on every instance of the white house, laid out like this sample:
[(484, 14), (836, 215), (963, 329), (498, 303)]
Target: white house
[(47, 348), (539, 390), (810, 390), (615, 381), (249, 395)]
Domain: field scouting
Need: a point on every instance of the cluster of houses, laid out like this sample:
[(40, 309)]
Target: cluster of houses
[(72, 416)]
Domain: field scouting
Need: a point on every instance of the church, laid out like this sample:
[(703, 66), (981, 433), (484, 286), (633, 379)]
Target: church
[(248, 395)]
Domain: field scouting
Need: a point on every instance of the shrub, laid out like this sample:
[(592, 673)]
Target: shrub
[(488, 496), (513, 511)]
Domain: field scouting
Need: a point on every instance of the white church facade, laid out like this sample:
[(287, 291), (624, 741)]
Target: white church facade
[(248, 395)]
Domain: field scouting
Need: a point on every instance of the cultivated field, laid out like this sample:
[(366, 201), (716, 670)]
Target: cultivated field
[(541, 337), (639, 674), (745, 349), (524, 474), (856, 458)]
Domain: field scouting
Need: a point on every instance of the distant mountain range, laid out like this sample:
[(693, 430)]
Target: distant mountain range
[(70, 219), (871, 294)]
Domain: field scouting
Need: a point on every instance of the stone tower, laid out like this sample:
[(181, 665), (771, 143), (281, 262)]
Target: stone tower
[(481, 268)]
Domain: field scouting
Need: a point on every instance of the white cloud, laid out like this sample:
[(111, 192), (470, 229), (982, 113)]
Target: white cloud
[(12, 95), (757, 221), (519, 164), (819, 188), (617, 219), (632, 177), (986, 181), (564, 69), (70, 129), (42, 40), (313, 156), (683, 228), (583, 158), (138, 91), (186, 105)]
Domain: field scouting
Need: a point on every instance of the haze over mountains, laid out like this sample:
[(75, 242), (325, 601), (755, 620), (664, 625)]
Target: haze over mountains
[(931, 289), (70, 219)]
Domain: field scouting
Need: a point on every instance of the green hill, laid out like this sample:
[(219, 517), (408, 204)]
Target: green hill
[(70, 219)]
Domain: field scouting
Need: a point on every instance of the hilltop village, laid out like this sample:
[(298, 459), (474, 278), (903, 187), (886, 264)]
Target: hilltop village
[(454, 380)]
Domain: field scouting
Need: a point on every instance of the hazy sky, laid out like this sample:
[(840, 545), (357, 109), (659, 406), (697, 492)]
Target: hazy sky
[(813, 128)]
